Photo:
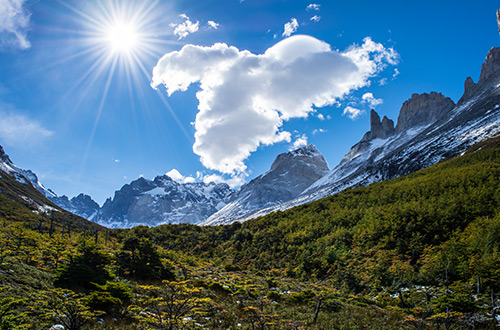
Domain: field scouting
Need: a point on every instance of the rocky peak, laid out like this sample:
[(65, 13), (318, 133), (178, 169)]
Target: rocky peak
[(491, 66), (84, 199), (4, 157), (469, 89), (498, 20), (309, 154), (379, 129), (423, 109)]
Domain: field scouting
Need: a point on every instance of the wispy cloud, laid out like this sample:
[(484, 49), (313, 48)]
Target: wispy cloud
[(185, 28), (213, 25), (290, 27), (319, 130), (316, 18), (300, 141), (248, 96), (14, 24), (370, 100), (396, 73), (313, 6), (352, 113), (21, 131)]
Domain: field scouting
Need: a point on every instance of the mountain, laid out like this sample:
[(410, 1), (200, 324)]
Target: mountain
[(24, 199), (161, 201), (430, 128), (21, 175), (81, 205), (290, 174)]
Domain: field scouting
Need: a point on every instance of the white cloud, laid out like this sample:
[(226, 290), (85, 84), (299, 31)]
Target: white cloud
[(290, 27), (21, 131), (234, 181), (370, 100), (396, 73), (352, 113), (321, 117), (319, 130), (300, 141), (382, 82), (313, 6), (316, 18), (14, 22), (244, 98), (177, 176), (183, 29), (116, 160), (213, 25)]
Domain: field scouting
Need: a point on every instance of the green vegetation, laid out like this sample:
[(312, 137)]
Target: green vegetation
[(418, 252)]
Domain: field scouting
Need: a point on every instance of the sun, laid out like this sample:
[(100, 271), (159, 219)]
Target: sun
[(122, 37)]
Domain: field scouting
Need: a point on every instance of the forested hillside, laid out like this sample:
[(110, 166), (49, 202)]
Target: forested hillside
[(418, 252)]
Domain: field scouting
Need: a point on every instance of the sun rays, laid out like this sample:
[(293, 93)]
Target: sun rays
[(115, 43)]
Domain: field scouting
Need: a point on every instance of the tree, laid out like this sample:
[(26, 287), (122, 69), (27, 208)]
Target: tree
[(171, 306), (112, 298), (10, 317), (67, 308), (139, 259), (87, 267)]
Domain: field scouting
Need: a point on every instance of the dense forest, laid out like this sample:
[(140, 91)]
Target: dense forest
[(418, 252)]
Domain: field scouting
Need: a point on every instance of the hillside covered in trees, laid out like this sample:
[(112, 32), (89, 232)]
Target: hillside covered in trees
[(418, 252)]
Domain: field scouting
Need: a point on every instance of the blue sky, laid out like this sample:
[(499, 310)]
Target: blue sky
[(77, 106)]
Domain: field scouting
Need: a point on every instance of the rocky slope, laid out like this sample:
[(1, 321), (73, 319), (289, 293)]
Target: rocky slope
[(22, 175), (430, 128), (290, 174)]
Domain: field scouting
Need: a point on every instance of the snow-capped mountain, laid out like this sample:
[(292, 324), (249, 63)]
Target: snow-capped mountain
[(23, 176), (161, 201), (290, 174), (81, 205), (431, 128)]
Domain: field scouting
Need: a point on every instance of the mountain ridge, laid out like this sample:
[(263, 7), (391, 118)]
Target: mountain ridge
[(432, 128)]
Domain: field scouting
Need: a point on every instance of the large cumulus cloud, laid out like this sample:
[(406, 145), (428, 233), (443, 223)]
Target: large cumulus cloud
[(244, 97)]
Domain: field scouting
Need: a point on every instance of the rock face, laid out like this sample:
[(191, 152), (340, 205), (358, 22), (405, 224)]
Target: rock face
[(378, 129), (81, 205), (498, 20), (470, 88), (4, 157), (490, 67), (289, 175), (423, 109), (161, 201)]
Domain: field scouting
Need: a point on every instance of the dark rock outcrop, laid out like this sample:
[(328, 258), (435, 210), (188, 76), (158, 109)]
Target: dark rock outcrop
[(470, 88), (491, 66), (423, 109), (379, 129), (498, 20)]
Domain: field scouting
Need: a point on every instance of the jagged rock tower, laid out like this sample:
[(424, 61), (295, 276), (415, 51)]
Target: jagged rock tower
[(498, 20)]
